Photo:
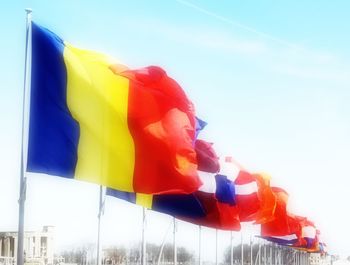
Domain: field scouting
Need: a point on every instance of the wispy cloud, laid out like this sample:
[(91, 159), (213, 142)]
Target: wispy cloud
[(212, 39), (292, 60)]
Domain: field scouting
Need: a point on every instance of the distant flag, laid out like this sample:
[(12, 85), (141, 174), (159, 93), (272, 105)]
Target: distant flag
[(207, 159), (255, 198), (93, 120), (247, 196), (218, 200), (279, 226), (267, 198), (287, 240), (186, 205), (309, 234), (200, 124), (218, 197)]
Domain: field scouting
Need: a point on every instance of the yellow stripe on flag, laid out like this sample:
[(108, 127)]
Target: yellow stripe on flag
[(98, 101), (144, 200)]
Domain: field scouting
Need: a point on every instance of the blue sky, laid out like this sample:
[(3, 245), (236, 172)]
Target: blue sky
[(270, 77)]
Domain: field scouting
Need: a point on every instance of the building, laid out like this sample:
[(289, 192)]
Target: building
[(319, 259), (38, 247)]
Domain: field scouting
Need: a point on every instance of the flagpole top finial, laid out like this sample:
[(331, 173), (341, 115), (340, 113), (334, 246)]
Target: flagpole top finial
[(28, 10)]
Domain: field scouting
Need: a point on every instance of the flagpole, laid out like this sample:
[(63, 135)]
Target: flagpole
[(242, 250), (200, 246), (163, 243), (251, 250), (175, 246), (25, 112), (100, 213), (216, 247), (259, 252), (143, 252), (231, 247)]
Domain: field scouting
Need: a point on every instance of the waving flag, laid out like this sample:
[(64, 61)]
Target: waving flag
[(93, 120), (279, 226), (207, 159), (185, 205), (267, 199), (309, 234), (217, 197), (287, 240), (247, 196)]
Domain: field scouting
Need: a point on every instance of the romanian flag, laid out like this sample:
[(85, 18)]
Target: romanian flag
[(184, 205), (96, 121)]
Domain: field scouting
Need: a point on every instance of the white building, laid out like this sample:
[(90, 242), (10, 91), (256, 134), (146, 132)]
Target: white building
[(38, 247), (318, 259)]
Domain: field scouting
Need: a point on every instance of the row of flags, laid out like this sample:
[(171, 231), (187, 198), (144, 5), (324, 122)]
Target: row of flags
[(136, 133)]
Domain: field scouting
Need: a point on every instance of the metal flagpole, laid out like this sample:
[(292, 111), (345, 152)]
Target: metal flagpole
[(251, 250), (259, 252), (265, 256), (100, 213), (25, 114), (143, 252), (231, 247), (200, 246), (242, 250), (270, 254), (175, 246), (163, 243), (216, 247)]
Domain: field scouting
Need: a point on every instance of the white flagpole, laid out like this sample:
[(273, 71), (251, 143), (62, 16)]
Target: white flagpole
[(143, 252), (175, 246), (231, 247), (100, 213), (163, 243), (200, 246), (251, 250), (242, 250), (216, 247), (24, 145)]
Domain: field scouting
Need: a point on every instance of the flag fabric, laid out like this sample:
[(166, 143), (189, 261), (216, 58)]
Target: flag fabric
[(279, 226), (213, 209), (267, 198), (309, 234), (287, 240), (217, 197), (200, 125), (96, 121), (213, 205), (185, 205), (255, 199), (247, 196), (207, 159)]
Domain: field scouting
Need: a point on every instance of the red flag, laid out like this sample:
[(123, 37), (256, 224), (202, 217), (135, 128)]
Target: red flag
[(247, 196), (218, 215), (255, 198), (207, 159), (267, 198)]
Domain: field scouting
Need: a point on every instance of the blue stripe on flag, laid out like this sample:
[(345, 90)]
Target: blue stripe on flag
[(53, 133), (225, 190)]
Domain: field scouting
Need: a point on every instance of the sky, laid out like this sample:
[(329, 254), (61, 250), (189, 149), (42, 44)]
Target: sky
[(271, 78)]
